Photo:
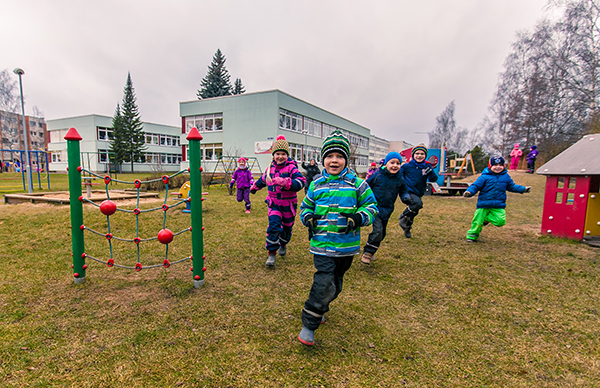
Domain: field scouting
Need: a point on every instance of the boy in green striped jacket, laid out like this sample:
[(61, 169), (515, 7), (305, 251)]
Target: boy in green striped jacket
[(336, 205)]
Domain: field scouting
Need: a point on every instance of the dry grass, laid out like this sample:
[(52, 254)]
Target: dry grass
[(514, 310)]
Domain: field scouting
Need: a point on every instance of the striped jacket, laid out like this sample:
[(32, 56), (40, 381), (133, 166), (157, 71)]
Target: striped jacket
[(330, 195)]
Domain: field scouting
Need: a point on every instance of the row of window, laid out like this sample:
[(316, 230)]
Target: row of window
[(205, 123), (210, 151), (302, 153), (149, 158), (295, 122)]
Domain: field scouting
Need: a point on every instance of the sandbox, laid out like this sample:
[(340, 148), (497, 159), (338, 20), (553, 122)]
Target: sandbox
[(62, 197)]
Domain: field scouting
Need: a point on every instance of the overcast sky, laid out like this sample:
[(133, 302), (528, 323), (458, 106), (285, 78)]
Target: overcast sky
[(391, 66)]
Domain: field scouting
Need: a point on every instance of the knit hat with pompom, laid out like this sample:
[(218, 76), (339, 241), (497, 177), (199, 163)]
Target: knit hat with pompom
[(280, 145)]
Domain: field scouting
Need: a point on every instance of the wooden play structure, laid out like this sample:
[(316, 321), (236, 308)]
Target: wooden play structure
[(572, 194)]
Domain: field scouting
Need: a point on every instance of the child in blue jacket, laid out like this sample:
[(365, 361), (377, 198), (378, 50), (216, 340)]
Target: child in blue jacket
[(387, 185), (336, 205), (492, 185), (416, 173)]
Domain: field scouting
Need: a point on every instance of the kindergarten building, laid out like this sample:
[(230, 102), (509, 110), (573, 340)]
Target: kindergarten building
[(247, 124), (13, 138), (163, 147)]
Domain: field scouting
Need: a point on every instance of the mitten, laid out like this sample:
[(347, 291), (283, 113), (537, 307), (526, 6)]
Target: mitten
[(527, 189), (354, 221), (467, 194), (231, 184), (310, 220), (427, 169), (283, 182)]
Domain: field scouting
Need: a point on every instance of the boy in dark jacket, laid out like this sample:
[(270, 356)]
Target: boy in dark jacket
[(416, 173), (492, 185), (387, 184), (312, 170)]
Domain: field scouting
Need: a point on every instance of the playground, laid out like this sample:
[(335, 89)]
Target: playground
[(516, 309)]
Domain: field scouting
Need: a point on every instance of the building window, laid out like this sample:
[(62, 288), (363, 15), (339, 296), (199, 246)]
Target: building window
[(104, 133), (58, 156), (152, 138), (58, 135), (212, 151), (102, 156), (205, 123)]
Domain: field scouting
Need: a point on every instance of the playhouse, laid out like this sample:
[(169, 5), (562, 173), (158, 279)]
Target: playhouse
[(572, 198)]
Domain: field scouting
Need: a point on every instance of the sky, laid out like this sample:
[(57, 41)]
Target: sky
[(390, 65)]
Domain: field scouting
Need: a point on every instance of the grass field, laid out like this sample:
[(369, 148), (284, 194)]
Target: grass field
[(514, 310)]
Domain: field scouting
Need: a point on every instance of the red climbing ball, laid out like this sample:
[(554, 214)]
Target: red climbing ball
[(197, 277), (136, 211), (166, 263), (165, 179), (79, 168), (165, 207), (137, 240), (108, 207), (108, 236), (80, 198), (192, 269), (110, 262), (137, 183), (138, 267), (165, 236), (204, 269), (82, 227), (84, 266), (107, 179), (201, 169), (76, 275)]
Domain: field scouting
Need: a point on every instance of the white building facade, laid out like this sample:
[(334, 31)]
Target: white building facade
[(163, 147)]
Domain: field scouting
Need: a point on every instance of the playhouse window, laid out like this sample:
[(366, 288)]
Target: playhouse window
[(570, 198), (572, 182), (561, 182), (559, 197)]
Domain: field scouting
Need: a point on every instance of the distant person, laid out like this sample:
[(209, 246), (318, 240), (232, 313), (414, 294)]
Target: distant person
[(337, 204), (492, 185), (371, 170), (515, 157), (282, 180), (533, 153), (242, 178), (312, 170), (387, 184), (416, 173)]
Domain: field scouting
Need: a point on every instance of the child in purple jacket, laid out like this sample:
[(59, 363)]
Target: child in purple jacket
[(242, 177), (282, 179)]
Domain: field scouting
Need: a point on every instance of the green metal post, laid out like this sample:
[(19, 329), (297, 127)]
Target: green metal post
[(73, 138), (194, 157)]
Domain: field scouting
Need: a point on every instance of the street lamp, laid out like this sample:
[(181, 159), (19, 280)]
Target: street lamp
[(20, 72)]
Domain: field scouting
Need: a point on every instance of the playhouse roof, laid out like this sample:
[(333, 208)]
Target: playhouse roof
[(582, 158)]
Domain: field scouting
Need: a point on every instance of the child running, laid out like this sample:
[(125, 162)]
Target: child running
[(372, 170), (337, 204), (282, 180), (242, 178), (387, 185), (416, 173), (492, 185)]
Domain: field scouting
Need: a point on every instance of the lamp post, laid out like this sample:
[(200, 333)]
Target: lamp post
[(20, 72)]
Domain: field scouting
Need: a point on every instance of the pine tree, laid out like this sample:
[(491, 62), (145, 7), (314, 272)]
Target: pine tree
[(129, 138), (238, 88), (217, 81), (118, 143)]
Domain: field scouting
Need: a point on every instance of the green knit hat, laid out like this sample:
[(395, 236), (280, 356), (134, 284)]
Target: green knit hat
[(420, 147), (335, 142), (280, 145)]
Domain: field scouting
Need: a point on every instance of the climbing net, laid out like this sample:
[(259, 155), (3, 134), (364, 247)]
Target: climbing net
[(108, 207)]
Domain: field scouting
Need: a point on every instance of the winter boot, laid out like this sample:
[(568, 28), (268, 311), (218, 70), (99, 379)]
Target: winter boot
[(407, 233), (404, 223), (282, 250), (247, 211), (367, 258), (271, 259), (307, 336)]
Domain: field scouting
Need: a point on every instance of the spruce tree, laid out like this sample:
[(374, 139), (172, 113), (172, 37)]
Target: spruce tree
[(128, 142), (217, 81), (238, 88), (132, 123), (118, 143)]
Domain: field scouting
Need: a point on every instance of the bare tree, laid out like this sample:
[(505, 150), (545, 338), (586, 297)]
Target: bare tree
[(9, 94)]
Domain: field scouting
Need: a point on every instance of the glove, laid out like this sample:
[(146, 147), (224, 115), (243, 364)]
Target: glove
[(427, 170), (283, 182), (354, 221), (405, 199), (231, 184), (310, 220), (527, 189), (254, 189), (467, 194)]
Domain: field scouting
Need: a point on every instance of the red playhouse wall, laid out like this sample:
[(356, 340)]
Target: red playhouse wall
[(566, 218)]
